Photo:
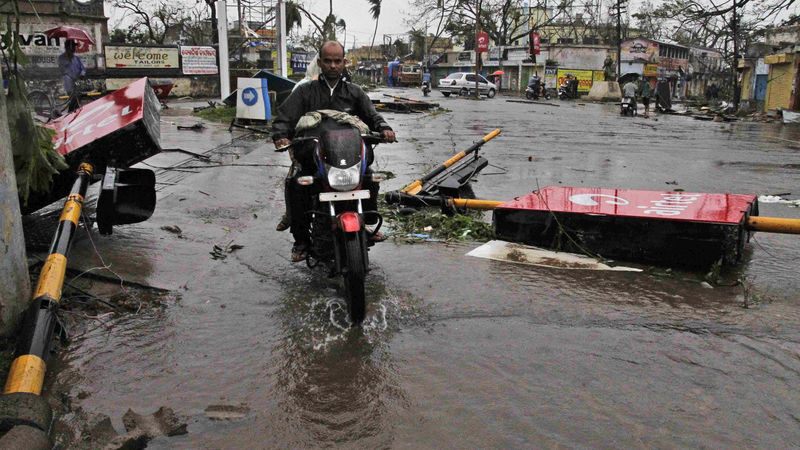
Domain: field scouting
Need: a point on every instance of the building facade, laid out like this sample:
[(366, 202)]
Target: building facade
[(42, 52)]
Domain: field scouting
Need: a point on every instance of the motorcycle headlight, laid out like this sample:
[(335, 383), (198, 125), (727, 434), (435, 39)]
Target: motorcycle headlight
[(344, 179)]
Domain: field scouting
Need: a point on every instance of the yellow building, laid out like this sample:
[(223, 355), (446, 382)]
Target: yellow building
[(782, 74)]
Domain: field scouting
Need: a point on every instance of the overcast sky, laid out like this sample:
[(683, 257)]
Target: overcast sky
[(360, 25)]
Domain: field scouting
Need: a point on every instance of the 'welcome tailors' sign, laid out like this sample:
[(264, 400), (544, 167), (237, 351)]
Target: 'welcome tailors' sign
[(127, 57)]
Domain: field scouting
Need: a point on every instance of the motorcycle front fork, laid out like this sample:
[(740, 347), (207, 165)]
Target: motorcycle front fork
[(340, 235)]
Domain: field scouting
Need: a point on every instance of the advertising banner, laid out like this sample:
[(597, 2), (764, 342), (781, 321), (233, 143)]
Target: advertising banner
[(199, 60), (584, 78), (43, 51), (483, 42), (551, 77), (638, 49), (128, 57), (465, 59), (535, 43)]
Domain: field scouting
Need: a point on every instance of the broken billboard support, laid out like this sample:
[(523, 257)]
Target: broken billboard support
[(658, 227), (450, 176), (117, 130)]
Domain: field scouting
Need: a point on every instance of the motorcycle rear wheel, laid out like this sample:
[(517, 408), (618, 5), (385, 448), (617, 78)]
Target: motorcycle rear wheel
[(354, 275)]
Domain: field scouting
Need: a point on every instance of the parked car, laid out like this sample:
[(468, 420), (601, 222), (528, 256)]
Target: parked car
[(463, 83)]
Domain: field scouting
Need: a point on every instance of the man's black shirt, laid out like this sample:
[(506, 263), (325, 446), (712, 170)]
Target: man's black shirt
[(315, 95)]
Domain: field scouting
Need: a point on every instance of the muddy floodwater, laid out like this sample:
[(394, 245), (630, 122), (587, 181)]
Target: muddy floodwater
[(253, 351)]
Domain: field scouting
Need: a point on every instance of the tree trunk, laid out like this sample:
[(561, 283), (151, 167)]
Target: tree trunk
[(374, 33), (214, 32), (14, 282)]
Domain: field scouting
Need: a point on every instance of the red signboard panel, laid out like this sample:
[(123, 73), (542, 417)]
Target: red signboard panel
[(536, 43), (663, 205), (100, 117), (483, 42)]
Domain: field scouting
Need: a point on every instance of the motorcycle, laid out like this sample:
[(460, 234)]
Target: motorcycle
[(339, 239), (628, 106), (426, 88), (534, 92), (565, 92)]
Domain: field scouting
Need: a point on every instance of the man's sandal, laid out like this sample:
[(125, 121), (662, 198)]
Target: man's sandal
[(378, 237), (284, 223), (299, 252)]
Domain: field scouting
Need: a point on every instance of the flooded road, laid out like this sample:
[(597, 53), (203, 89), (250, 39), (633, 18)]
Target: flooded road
[(456, 351)]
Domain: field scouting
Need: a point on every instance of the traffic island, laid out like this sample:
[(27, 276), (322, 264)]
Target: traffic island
[(605, 91)]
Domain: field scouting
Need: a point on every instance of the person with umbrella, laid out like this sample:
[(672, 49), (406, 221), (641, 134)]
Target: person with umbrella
[(71, 69), (70, 65)]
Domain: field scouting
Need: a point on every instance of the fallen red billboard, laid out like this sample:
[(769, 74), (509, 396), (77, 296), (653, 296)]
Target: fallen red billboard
[(118, 130)]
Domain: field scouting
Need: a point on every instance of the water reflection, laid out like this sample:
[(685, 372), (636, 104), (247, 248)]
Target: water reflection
[(337, 384)]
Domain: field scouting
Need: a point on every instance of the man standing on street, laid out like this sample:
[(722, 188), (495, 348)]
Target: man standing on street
[(644, 94), (71, 69), (330, 91)]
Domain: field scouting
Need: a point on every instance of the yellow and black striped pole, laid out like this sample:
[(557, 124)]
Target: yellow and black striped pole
[(416, 186), (431, 200), (28, 368)]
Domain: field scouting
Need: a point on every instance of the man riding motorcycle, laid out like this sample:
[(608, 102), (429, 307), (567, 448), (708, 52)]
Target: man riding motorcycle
[(426, 82), (330, 91)]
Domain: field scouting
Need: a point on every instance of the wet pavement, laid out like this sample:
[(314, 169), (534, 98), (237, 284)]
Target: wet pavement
[(456, 351)]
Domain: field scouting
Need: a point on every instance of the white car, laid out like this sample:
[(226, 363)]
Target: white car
[(463, 83)]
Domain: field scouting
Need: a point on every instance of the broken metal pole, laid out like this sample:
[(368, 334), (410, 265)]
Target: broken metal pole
[(26, 376), (416, 186), (432, 200), (773, 225)]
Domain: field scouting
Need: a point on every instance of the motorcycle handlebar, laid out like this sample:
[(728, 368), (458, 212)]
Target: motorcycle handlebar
[(373, 138), (294, 142), (369, 138)]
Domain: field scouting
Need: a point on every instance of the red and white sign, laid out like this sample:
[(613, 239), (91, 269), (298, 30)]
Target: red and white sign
[(100, 117), (535, 43), (483, 42), (665, 205), (197, 60)]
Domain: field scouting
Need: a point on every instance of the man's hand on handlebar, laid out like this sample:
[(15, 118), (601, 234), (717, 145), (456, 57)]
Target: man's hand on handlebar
[(389, 136), (280, 144)]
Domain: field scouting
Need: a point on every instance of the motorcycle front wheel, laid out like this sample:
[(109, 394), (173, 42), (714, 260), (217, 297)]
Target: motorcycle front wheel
[(528, 95), (354, 275)]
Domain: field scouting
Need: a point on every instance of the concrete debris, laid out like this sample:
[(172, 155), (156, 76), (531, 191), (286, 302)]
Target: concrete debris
[(226, 412), (141, 429)]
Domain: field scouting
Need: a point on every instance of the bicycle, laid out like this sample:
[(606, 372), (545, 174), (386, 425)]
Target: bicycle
[(49, 105)]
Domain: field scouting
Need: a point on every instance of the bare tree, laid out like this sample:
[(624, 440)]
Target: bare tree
[(152, 20), (723, 24)]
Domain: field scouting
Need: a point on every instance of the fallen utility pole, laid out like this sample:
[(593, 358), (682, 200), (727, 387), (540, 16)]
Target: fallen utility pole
[(402, 198), (416, 186), (26, 376), (397, 97)]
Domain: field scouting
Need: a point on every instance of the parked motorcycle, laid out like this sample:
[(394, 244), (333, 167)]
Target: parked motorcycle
[(628, 106), (426, 88), (339, 239)]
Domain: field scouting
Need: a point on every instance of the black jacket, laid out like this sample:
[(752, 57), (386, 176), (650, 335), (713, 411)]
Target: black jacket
[(315, 95)]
